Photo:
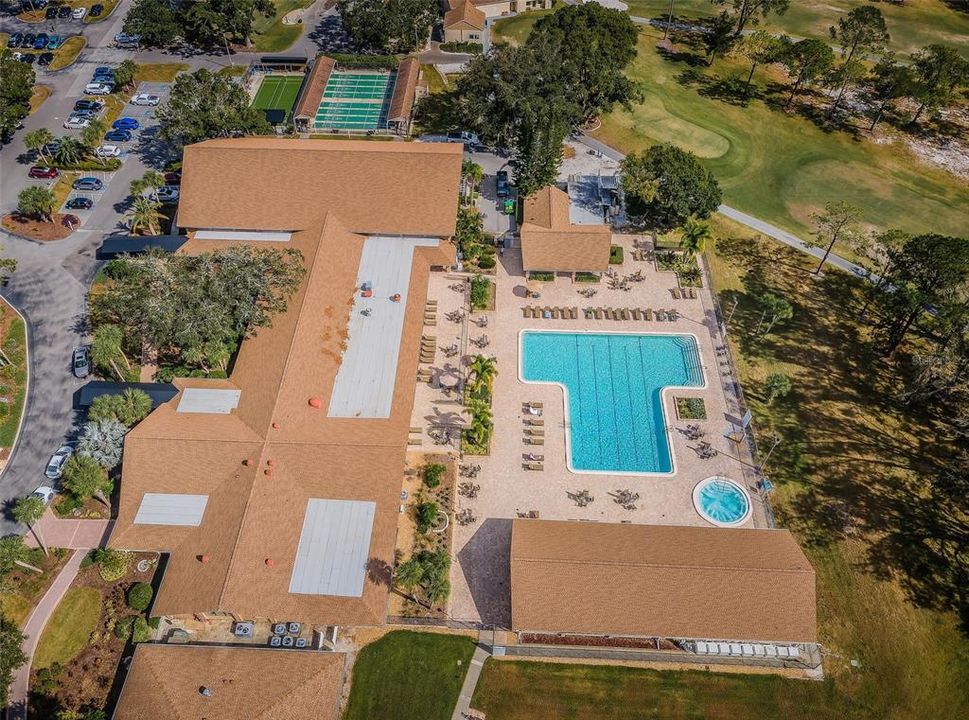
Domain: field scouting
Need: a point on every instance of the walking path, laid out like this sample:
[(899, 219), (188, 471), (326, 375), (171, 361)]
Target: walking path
[(750, 221), (17, 708), (463, 706)]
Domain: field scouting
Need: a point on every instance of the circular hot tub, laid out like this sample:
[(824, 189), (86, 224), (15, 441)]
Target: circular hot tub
[(721, 501)]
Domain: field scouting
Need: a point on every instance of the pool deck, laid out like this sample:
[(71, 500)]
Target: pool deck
[(479, 576)]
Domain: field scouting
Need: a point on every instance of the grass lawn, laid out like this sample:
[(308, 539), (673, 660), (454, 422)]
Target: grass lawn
[(408, 675), (69, 628), (270, 34), (67, 53), (109, 6), (912, 25), (40, 93), (521, 690), (435, 81), (780, 167), (24, 588), (515, 29), (278, 92), (13, 376), (158, 72)]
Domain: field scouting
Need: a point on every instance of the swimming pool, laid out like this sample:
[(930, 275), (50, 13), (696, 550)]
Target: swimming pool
[(721, 501), (613, 386)]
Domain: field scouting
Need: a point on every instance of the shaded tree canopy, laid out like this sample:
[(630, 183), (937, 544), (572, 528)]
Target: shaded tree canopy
[(665, 185), (751, 11), (204, 105), (16, 87), (196, 308), (214, 22), (392, 25)]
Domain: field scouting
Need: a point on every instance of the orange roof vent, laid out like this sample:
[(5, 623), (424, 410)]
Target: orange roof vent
[(268, 471), (247, 462), (203, 559), (271, 462), (275, 426), (270, 562), (316, 402)]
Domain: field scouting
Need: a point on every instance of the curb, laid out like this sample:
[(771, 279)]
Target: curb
[(23, 410)]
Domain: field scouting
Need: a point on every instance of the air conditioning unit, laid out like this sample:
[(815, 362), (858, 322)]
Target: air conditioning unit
[(300, 642), (294, 628), (279, 629), (275, 641), (288, 641), (243, 629)]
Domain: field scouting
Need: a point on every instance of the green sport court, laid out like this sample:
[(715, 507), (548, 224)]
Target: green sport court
[(355, 100), (278, 92)]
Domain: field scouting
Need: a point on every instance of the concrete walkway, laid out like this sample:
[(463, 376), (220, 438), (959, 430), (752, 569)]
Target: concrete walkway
[(463, 706), (70, 534), (17, 709), (765, 228)]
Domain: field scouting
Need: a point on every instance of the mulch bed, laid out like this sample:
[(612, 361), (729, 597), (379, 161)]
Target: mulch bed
[(93, 679), (39, 230), (597, 641)]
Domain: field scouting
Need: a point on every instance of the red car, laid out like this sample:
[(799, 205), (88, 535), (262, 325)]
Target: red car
[(40, 172), (173, 178)]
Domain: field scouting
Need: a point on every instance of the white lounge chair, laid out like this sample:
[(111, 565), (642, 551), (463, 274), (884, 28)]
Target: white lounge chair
[(759, 650), (794, 652), (783, 652), (770, 651), (723, 649), (736, 649), (701, 648), (746, 649)]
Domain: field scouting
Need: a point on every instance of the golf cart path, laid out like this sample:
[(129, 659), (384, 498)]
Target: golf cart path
[(750, 221), (17, 708), (463, 706)]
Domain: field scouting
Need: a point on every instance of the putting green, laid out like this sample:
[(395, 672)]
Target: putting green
[(654, 122)]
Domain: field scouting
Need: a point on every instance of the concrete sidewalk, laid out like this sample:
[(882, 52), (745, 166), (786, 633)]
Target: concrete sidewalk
[(17, 708), (463, 707)]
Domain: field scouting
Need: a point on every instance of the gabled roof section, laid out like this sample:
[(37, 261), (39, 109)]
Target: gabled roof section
[(314, 87), (256, 183), (164, 683), (466, 13), (550, 241), (661, 580), (402, 101)]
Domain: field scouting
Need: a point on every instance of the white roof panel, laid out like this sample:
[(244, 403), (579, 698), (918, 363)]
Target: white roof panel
[(256, 235), (202, 400), (334, 546), (170, 509)]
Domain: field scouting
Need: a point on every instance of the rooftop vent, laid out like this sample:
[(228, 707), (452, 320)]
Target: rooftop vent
[(205, 691)]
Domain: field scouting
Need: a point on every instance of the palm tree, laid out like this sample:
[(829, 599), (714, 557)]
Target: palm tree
[(28, 511), (483, 368), (480, 427), (69, 151), (91, 135), (149, 182), (37, 139), (694, 235), (144, 215)]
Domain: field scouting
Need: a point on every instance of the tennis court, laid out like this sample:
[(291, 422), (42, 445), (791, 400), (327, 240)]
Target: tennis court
[(278, 92), (355, 100)]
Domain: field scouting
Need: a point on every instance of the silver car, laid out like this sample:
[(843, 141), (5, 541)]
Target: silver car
[(55, 466), (80, 362)]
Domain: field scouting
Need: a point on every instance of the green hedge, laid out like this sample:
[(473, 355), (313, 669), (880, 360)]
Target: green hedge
[(586, 277), (541, 276), (462, 47), (388, 62), (107, 165), (615, 255), (139, 596), (433, 472)]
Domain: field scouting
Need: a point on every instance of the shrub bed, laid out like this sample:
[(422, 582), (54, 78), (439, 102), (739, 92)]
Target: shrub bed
[(691, 409), (388, 62), (462, 47), (615, 255)]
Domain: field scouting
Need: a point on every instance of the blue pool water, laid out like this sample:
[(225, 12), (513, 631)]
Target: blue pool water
[(721, 501), (614, 384)]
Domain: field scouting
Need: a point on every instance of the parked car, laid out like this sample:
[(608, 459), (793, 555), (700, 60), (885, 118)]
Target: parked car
[(79, 13), (51, 13), (54, 42), (39, 172), (28, 58), (145, 99), (64, 11), (80, 203), (173, 178), (125, 123), (88, 183), (45, 493), (15, 40), (88, 114), (97, 89), (118, 135), (45, 58), (28, 41), (80, 362), (501, 183), (95, 105), (55, 466), (96, 10), (40, 42), (75, 122), (167, 193), (123, 40), (108, 151)]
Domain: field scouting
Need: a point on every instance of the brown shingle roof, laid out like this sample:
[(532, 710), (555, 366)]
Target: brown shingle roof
[(315, 85), (252, 516), (466, 13), (661, 580), (164, 683), (402, 101), (262, 183), (549, 240)]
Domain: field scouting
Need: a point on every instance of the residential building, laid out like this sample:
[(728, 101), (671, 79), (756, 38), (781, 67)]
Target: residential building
[(552, 242), (275, 492), (464, 22)]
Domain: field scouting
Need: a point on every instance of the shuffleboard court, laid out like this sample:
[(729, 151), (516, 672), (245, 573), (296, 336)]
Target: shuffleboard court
[(278, 92), (355, 100)]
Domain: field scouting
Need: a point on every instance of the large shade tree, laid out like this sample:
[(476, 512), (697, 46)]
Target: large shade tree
[(205, 105), (806, 61), (750, 12), (392, 25), (861, 31), (665, 185), (16, 87), (939, 73)]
